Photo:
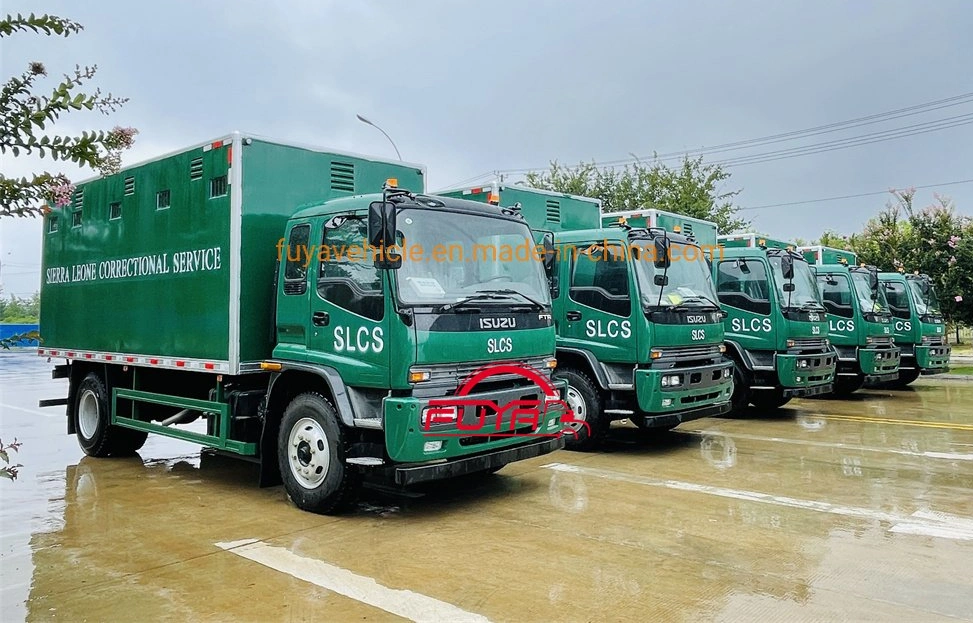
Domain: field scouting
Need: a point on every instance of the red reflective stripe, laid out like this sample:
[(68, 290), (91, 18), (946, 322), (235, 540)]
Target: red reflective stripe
[(153, 361), (216, 144), (130, 359), (88, 355), (208, 366), (53, 352), (180, 364), (70, 353), (108, 357), (229, 154)]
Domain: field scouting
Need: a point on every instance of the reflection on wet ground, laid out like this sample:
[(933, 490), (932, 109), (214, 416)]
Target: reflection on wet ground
[(852, 509)]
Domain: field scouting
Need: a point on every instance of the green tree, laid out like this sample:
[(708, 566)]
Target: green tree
[(26, 112), (694, 189)]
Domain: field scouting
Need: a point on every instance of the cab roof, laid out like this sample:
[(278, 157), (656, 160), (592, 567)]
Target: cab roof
[(361, 202)]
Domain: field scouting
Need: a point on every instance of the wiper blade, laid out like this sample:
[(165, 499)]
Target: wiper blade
[(479, 296), (532, 300), (812, 306), (701, 297)]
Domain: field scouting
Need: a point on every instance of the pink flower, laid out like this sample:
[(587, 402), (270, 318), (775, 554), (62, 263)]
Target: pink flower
[(60, 191), (958, 298), (952, 260), (952, 241)]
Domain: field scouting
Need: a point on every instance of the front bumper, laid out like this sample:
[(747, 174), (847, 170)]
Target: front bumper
[(668, 420), (524, 415), (932, 359), (412, 474), (880, 364), (701, 386), (796, 380)]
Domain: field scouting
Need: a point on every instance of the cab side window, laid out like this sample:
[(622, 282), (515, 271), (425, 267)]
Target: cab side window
[(898, 299), (836, 293), (350, 280), (743, 284), (599, 279), (295, 270)]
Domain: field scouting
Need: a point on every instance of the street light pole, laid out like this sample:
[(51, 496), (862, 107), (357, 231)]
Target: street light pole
[(367, 122)]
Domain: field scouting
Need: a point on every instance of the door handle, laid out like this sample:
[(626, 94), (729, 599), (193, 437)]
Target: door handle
[(320, 319), (573, 315)]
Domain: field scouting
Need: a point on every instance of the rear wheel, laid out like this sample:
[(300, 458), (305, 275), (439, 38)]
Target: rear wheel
[(589, 423), (906, 377), (92, 422), (844, 385), (311, 453), (769, 399)]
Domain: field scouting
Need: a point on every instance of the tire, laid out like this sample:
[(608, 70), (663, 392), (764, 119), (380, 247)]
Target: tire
[(845, 385), (906, 377), (583, 398), (311, 448), (769, 399), (741, 391), (92, 422)]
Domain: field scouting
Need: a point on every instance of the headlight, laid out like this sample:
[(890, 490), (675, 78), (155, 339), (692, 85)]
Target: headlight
[(446, 414), (802, 363), (671, 380), (727, 373)]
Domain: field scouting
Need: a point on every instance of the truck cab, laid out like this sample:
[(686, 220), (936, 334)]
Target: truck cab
[(917, 325), (859, 320), (639, 331), (776, 326)]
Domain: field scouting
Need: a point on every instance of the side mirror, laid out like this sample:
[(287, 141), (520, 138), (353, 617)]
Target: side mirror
[(661, 280), (381, 234), (549, 253), (742, 265), (662, 259), (873, 282), (789, 287), (787, 266)]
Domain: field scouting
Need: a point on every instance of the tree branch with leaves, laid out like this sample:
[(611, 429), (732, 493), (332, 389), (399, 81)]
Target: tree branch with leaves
[(26, 112)]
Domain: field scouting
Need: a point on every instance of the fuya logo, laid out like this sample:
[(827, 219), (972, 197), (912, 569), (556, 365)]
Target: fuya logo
[(463, 416)]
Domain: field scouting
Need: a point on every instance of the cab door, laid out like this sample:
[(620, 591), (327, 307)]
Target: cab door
[(347, 319), (598, 308)]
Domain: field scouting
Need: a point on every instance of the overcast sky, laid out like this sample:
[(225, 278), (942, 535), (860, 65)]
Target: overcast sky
[(468, 88)]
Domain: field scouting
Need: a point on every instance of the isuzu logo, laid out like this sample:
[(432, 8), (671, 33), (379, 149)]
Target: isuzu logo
[(695, 319), (498, 323)]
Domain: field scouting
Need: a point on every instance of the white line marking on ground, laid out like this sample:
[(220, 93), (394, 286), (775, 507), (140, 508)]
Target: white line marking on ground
[(951, 456), (404, 603), (925, 523), (31, 411)]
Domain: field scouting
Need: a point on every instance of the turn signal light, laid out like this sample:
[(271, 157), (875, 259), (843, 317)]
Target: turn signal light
[(392, 182), (493, 199), (270, 366), (418, 376)]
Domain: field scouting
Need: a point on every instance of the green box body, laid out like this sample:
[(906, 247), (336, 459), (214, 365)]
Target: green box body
[(544, 210), (734, 241), (819, 255), (174, 259), (704, 232)]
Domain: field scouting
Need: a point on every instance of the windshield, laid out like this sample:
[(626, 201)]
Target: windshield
[(927, 303), (690, 282), (864, 294), (805, 287), (450, 256)]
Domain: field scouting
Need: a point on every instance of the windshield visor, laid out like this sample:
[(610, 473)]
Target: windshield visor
[(449, 256)]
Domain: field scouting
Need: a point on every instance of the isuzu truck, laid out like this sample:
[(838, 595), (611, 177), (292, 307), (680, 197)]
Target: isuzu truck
[(859, 321), (917, 325), (639, 329), (230, 295), (776, 326)]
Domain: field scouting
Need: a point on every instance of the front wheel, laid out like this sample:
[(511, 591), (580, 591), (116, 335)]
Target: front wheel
[(906, 377), (769, 399), (92, 422), (741, 391), (844, 385), (311, 454), (589, 424)]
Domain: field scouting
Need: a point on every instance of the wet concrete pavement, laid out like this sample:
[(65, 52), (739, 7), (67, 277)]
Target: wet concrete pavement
[(854, 509)]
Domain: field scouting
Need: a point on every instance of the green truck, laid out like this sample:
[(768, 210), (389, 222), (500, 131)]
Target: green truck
[(859, 320), (776, 326), (639, 331), (917, 325), (229, 295)]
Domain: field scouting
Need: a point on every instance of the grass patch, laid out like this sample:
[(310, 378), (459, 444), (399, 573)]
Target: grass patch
[(967, 370)]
